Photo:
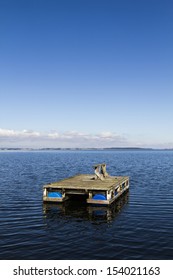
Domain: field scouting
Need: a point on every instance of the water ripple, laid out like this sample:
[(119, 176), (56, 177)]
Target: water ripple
[(138, 226)]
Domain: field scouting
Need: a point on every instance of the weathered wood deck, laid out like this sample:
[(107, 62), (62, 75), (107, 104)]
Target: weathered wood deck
[(97, 191)]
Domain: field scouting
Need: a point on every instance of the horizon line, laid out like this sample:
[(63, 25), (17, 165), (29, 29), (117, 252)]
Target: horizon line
[(77, 148)]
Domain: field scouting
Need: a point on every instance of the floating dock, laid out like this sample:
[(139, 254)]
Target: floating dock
[(97, 191)]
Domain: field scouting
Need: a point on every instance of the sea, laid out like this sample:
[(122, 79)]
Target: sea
[(139, 226)]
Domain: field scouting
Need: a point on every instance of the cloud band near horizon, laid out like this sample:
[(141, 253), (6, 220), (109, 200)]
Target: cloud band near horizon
[(54, 139), (10, 138)]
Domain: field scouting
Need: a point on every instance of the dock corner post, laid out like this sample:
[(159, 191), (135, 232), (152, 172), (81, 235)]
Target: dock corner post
[(108, 195), (90, 195), (63, 194), (44, 192)]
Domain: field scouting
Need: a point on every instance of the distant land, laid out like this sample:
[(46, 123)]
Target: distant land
[(86, 149)]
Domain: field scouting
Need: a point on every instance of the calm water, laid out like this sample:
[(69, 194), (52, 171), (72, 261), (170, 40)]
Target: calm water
[(139, 226)]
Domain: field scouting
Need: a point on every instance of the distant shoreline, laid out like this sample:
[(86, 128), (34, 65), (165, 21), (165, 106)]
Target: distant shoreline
[(86, 149)]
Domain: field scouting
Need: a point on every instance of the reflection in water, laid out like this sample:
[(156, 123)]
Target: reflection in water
[(79, 209)]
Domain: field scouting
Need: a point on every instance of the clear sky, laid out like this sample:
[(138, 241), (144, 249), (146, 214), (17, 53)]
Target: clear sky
[(86, 73)]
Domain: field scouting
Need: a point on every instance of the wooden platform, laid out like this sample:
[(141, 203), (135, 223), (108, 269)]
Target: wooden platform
[(97, 191)]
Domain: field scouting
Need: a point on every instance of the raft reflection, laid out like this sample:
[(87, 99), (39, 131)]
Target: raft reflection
[(79, 209)]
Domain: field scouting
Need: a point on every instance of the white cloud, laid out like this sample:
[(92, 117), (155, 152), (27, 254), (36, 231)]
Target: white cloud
[(69, 139), (10, 138), (15, 133)]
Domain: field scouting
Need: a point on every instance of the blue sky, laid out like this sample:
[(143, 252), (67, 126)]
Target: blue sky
[(86, 73)]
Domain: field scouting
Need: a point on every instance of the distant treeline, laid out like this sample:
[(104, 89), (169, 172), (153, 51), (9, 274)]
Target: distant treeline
[(85, 149)]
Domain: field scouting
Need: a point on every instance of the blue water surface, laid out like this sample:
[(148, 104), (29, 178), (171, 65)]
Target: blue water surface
[(138, 226)]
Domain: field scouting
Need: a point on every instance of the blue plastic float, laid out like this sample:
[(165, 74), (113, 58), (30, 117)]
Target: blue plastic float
[(54, 194), (99, 197)]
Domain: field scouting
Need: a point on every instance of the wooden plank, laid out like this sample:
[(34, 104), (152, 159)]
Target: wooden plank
[(54, 199), (87, 182)]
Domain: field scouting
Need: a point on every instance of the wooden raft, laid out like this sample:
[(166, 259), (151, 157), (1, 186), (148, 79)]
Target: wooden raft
[(97, 191)]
